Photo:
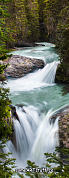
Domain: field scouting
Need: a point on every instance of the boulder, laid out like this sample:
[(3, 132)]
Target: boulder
[(20, 66), (63, 115)]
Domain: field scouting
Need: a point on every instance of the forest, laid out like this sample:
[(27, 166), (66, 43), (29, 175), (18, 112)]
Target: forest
[(23, 23)]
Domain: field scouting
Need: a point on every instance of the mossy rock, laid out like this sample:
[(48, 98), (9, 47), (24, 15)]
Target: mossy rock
[(62, 73)]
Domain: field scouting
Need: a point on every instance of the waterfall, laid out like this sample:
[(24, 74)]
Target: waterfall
[(46, 138), (41, 78), (34, 135), (24, 130)]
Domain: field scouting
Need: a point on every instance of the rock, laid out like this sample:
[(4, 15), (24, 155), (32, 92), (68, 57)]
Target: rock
[(64, 130), (63, 115), (21, 106), (15, 116), (20, 66), (62, 73), (14, 113), (24, 44), (20, 44)]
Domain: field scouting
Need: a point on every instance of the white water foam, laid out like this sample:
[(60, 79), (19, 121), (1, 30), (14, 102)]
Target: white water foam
[(34, 133), (46, 138), (41, 78), (34, 136)]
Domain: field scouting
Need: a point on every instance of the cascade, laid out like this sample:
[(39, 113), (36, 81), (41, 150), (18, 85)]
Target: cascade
[(34, 133), (41, 78)]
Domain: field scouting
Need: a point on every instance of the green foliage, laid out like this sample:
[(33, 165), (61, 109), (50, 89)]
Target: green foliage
[(2, 73), (32, 16), (6, 163), (24, 21), (5, 119), (62, 41), (61, 168), (56, 166), (5, 36), (2, 67)]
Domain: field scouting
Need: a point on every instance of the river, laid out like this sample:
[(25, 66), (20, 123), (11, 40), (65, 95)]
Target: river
[(40, 97)]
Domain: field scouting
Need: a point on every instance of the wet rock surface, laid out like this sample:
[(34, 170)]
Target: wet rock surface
[(14, 113), (63, 115), (64, 130), (20, 66)]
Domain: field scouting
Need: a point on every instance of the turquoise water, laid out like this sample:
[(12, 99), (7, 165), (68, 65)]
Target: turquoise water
[(46, 98), (40, 96), (43, 97), (47, 52)]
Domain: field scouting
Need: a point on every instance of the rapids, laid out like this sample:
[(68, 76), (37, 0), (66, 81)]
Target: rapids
[(40, 97)]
